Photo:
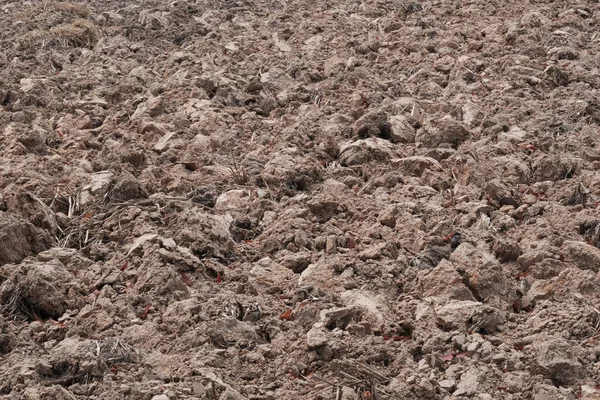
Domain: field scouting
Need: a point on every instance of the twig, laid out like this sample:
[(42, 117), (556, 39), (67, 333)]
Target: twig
[(47, 211), (239, 174), (480, 79), (268, 189), (390, 396), (372, 371), (319, 379), (350, 376)]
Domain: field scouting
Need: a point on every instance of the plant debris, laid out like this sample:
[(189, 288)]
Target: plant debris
[(277, 200)]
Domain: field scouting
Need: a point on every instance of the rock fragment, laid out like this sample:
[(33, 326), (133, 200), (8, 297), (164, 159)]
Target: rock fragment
[(401, 130), (42, 289), (553, 168), (416, 165), (19, 239), (446, 131), (431, 256), (365, 150), (443, 281), (372, 125), (317, 336), (583, 255), (469, 383), (447, 384), (556, 357), (127, 187)]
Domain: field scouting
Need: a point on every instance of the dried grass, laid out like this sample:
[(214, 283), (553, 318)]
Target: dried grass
[(43, 10), (79, 33), (580, 195), (35, 294), (59, 24), (13, 304), (238, 173), (115, 351)]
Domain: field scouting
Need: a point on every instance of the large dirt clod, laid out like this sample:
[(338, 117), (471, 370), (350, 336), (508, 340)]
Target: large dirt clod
[(281, 200), (38, 290), (19, 239)]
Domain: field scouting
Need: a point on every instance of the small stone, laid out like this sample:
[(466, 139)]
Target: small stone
[(424, 389), (160, 397), (332, 315), (460, 340), (423, 365), (347, 273), (331, 245), (232, 47), (556, 357), (448, 384), (352, 62), (254, 85), (583, 255), (169, 243), (469, 382), (163, 142), (297, 262), (179, 56), (64, 317), (198, 388), (472, 347), (388, 217), (317, 336), (486, 348), (337, 332), (100, 181), (401, 130)]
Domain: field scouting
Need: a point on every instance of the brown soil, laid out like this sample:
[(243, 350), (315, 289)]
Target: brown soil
[(258, 200)]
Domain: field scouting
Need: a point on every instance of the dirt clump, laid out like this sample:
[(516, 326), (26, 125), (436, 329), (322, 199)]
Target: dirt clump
[(299, 200), (20, 239)]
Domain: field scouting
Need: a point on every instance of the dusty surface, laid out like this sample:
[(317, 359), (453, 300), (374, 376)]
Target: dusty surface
[(257, 199)]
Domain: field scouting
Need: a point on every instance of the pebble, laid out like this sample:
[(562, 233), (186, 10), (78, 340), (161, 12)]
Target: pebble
[(472, 347), (316, 336), (460, 340), (448, 384)]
